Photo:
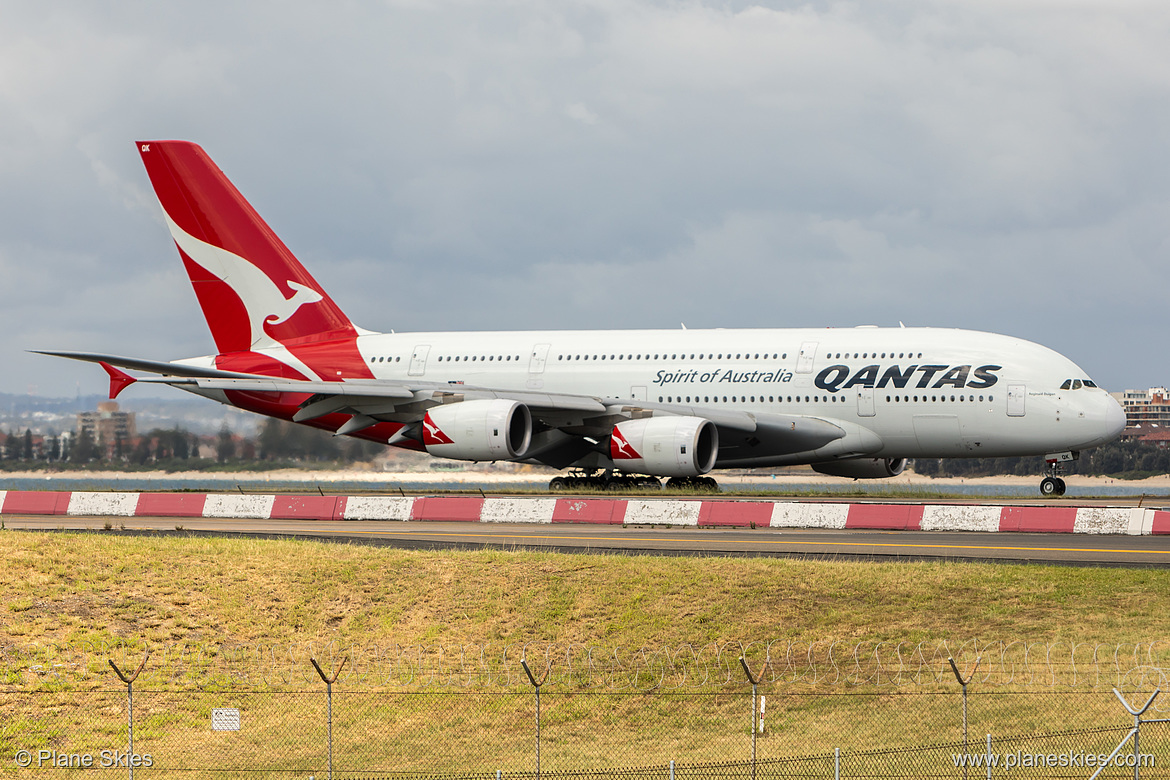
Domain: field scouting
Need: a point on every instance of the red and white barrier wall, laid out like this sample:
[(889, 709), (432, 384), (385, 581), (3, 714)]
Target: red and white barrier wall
[(604, 511)]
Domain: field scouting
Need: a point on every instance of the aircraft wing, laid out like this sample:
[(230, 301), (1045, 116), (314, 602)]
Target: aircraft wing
[(370, 401)]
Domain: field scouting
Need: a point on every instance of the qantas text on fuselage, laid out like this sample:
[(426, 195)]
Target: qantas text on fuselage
[(841, 377)]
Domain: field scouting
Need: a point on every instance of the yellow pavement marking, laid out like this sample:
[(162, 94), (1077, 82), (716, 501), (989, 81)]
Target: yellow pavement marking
[(775, 542)]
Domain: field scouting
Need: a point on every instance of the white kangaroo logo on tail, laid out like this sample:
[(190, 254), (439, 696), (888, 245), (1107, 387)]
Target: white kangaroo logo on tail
[(262, 299)]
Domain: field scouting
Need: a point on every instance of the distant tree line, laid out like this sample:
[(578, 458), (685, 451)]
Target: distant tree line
[(1121, 459), (278, 441)]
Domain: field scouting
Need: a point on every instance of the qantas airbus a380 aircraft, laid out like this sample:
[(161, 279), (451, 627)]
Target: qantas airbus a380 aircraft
[(617, 407)]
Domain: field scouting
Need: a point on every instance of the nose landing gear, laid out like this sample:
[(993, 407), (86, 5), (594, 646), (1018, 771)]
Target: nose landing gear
[(1053, 485)]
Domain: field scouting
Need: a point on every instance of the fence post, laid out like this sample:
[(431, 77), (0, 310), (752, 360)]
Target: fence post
[(755, 689), (329, 704), (962, 682), (1134, 732), (130, 702), (536, 684)]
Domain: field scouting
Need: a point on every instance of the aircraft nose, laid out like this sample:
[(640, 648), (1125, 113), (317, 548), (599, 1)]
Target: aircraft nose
[(1114, 419)]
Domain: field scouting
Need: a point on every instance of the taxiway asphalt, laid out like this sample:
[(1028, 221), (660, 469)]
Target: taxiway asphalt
[(1061, 549)]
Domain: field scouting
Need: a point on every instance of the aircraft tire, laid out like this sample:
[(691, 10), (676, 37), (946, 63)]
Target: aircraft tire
[(1049, 487)]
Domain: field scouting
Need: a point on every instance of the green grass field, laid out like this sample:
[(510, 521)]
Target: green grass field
[(134, 593), (66, 587)]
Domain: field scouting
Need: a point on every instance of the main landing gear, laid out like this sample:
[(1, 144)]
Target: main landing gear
[(1053, 485), (615, 482), (605, 480)]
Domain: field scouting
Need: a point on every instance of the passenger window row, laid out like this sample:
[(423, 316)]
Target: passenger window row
[(456, 358), (709, 399), (670, 399), (936, 399), (680, 356)]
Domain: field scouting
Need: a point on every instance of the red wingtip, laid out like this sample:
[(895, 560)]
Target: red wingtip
[(119, 379)]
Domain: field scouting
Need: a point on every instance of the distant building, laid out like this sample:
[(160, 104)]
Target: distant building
[(107, 426), (1147, 413)]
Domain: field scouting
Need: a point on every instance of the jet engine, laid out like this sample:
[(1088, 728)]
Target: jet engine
[(863, 468), (665, 446), (489, 429)]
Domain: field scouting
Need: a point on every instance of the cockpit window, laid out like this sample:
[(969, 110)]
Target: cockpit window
[(1067, 384), (1090, 383), (1077, 384)]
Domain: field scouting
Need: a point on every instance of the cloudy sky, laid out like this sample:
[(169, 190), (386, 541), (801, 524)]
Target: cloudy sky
[(440, 164)]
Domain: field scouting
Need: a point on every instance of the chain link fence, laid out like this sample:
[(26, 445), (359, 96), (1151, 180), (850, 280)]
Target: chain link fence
[(67, 714)]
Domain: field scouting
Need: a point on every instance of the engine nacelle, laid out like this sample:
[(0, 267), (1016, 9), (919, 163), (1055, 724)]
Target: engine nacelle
[(489, 429), (665, 446), (863, 468)]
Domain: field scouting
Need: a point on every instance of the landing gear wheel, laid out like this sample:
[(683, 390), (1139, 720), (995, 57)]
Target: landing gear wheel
[(558, 485), (1052, 486)]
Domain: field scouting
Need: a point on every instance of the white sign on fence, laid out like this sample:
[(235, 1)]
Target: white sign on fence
[(225, 720)]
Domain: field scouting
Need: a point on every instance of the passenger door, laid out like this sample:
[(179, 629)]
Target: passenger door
[(1015, 400), (418, 360), (865, 405)]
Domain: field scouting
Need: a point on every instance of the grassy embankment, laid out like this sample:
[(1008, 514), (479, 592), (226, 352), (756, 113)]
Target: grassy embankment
[(74, 589), (66, 588)]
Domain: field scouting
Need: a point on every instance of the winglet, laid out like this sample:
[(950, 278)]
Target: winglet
[(119, 379)]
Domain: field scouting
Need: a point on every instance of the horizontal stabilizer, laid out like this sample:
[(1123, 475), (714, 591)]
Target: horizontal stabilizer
[(150, 366)]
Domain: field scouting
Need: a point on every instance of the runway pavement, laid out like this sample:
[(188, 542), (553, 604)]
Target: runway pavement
[(1119, 550)]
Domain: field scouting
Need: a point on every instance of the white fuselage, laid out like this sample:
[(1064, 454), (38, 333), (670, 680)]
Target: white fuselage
[(924, 392)]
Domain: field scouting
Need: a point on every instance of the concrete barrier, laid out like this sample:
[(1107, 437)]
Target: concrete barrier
[(735, 514), (170, 504), (36, 502), (377, 508), (801, 515), (594, 511), (1039, 519), (103, 504), (705, 513), (306, 508), (455, 509), (886, 517)]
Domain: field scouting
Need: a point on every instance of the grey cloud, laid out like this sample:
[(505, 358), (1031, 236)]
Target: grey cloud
[(601, 164)]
